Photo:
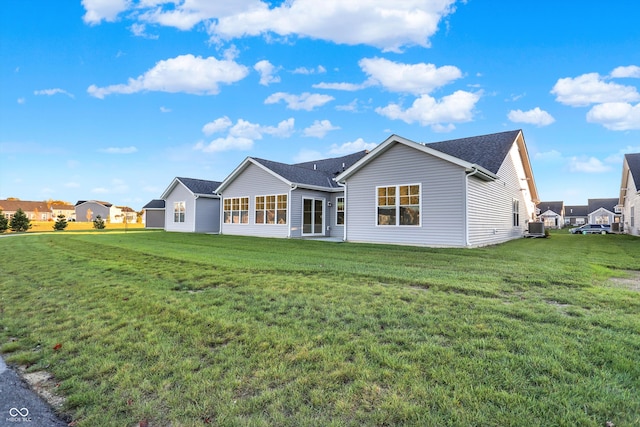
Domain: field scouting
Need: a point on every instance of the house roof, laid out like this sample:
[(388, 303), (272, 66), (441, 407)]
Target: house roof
[(26, 206), (483, 155), (105, 204), (314, 174), (64, 207), (154, 204), (555, 207), (633, 160), (197, 187), (576, 210), (487, 151), (608, 204)]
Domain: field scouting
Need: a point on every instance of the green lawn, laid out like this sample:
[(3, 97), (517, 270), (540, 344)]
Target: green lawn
[(189, 330)]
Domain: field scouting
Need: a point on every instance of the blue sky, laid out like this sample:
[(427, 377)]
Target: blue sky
[(112, 99)]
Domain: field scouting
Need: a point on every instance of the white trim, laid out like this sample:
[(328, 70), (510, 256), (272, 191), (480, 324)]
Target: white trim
[(397, 205)]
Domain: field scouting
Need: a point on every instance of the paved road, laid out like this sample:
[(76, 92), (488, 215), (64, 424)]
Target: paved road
[(19, 406)]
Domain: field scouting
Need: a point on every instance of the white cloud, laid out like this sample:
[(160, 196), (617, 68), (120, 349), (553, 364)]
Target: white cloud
[(352, 106), (225, 144), (536, 117), (165, 109), (51, 92), (184, 73), (21, 101), (306, 155), (119, 150), (417, 79), (349, 87), (303, 70), (590, 89), (618, 157), (615, 115), (351, 147), (319, 129), (108, 10), (218, 125), (140, 30), (587, 165), (241, 135), (387, 25), (306, 101), (454, 108), (629, 71), (267, 71), (549, 156)]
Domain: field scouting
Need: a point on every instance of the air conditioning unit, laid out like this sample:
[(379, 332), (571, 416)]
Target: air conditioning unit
[(535, 229)]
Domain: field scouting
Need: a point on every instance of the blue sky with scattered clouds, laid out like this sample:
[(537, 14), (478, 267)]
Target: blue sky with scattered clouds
[(111, 99)]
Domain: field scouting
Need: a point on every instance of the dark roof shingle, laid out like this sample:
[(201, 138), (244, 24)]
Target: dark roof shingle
[(199, 186), (633, 160)]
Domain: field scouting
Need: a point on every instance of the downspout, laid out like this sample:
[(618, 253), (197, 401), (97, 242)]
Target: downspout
[(466, 205), (344, 226), (195, 208), (221, 220), (289, 201)]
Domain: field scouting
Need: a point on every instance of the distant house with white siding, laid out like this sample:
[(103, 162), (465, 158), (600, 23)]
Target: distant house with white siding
[(576, 214), (466, 192), (604, 211), (35, 211), (629, 199), (191, 205), (552, 214)]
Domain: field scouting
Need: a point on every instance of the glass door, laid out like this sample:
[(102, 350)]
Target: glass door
[(313, 216)]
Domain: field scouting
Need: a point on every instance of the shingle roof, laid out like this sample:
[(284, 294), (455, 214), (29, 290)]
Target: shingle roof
[(319, 173), (608, 204), (154, 204), (551, 206), (26, 206), (488, 151), (576, 210), (105, 204), (633, 160), (199, 186)]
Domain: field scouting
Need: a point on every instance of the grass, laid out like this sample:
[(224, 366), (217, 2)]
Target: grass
[(47, 226), (189, 330)]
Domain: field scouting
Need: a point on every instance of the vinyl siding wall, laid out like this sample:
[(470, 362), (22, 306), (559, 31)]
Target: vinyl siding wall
[(296, 211), (180, 194), (490, 204), (632, 200), (442, 199), (254, 181), (154, 218), (96, 209)]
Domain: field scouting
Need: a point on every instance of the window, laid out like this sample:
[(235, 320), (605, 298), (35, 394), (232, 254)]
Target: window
[(340, 211), (399, 205), (236, 210), (515, 211), (178, 211), (632, 216), (271, 209)]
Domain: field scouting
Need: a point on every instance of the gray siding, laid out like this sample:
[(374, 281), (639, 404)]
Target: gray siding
[(632, 200), (96, 209), (180, 194), (296, 210), (490, 204), (442, 199), (207, 215), (154, 218), (254, 181)]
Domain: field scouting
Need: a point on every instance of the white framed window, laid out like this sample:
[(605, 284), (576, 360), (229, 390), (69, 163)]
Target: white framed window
[(178, 211), (398, 205), (339, 210), (515, 211), (632, 216), (236, 210), (271, 209)]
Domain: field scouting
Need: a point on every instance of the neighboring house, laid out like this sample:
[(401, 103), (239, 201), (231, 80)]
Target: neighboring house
[(629, 199), (461, 193), (191, 205), (271, 199), (69, 211), (604, 211), (552, 214), (89, 210), (126, 214), (154, 214), (576, 214), (35, 211)]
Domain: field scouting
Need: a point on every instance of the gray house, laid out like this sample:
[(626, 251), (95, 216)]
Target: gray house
[(89, 210), (461, 193), (604, 211), (154, 214), (576, 214), (552, 214), (629, 199), (271, 199), (191, 205)]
